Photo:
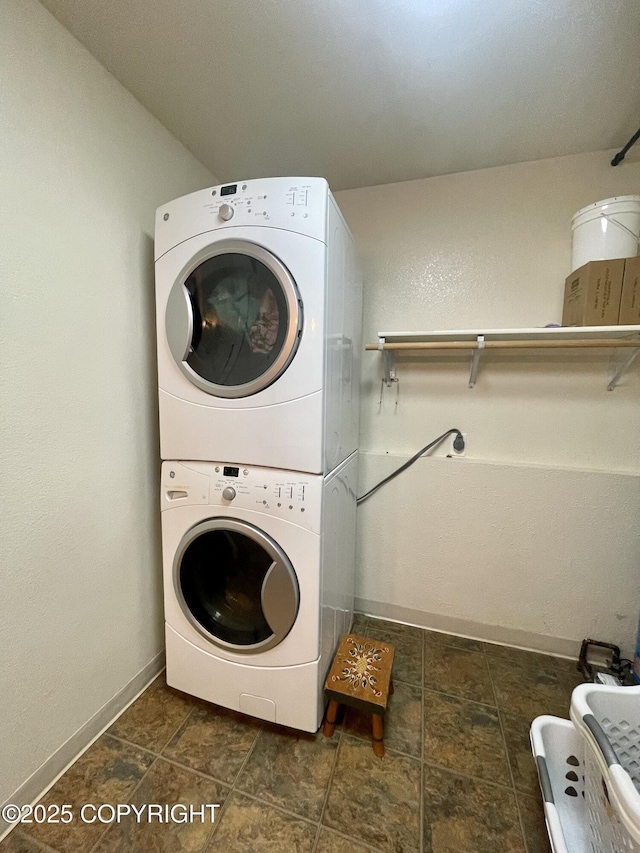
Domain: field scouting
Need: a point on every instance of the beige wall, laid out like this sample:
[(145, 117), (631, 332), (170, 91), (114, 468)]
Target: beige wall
[(84, 167), (532, 538)]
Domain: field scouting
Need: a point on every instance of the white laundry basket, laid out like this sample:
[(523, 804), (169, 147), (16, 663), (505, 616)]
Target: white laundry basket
[(607, 833), (606, 229), (608, 719), (559, 750)]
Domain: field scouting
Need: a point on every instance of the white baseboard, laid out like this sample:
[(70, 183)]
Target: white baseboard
[(474, 630), (50, 771)]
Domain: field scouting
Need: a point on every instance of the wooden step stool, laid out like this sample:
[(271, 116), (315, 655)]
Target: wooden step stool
[(360, 676)]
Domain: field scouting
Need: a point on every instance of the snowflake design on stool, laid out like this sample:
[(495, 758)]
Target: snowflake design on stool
[(360, 667)]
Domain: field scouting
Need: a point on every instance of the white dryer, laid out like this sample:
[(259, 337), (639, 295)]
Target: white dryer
[(258, 584), (259, 313)]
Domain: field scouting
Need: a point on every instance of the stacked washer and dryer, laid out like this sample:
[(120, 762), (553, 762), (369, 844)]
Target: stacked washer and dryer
[(259, 305)]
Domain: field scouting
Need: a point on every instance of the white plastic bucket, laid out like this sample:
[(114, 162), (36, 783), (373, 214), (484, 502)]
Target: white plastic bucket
[(606, 229)]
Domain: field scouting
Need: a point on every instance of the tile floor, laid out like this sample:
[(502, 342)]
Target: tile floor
[(457, 776)]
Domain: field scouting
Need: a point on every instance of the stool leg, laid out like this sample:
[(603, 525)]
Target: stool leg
[(330, 720), (378, 735)]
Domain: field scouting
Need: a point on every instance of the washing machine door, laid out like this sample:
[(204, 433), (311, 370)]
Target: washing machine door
[(236, 585), (233, 319)]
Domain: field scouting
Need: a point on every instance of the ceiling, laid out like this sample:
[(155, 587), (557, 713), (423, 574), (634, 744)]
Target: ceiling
[(368, 92)]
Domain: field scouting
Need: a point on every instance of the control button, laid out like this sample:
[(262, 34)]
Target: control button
[(229, 493), (226, 212), (217, 469), (245, 472), (244, 186)]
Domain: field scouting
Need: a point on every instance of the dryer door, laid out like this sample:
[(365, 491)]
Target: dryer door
[(233, 319), (236, 585)]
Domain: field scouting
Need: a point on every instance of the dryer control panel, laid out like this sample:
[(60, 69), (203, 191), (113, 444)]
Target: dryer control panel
[(290, 495), (290, 204)]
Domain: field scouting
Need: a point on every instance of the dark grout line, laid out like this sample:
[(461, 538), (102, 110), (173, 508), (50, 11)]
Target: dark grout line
[(131, 795), (367, 739), (232, 788), (131, 743), (493, 687), (349, 838), (506, 749), (327, 792), (274, 806), (462, 698), (194, 772), (547, 661), (490, 782), (406, 683), (42, 847), (180, 728), (362, 739)]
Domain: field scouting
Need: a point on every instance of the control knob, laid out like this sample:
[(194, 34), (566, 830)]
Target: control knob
[(229, 493), (226, 212)]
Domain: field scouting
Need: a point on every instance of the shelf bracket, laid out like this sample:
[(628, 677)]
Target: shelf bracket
[(475, 360), (617, 370), (388, 367)]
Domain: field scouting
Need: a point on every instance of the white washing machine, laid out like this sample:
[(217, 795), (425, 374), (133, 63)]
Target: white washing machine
[(258, 584), (259, 314)]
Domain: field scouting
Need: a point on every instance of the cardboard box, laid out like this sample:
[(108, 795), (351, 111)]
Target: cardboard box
[(592, 294), (630, 302)]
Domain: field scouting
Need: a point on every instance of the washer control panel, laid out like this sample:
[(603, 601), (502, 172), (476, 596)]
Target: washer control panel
[(290, 495)]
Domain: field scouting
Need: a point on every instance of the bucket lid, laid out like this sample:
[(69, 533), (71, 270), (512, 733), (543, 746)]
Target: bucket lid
[(602, 205)]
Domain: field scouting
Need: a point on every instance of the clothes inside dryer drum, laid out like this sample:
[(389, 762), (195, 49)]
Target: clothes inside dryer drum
[(221, 577), (240, 319)]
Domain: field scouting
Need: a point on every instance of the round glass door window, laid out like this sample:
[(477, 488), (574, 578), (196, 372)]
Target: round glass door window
[(233, 320), (236, 585)]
